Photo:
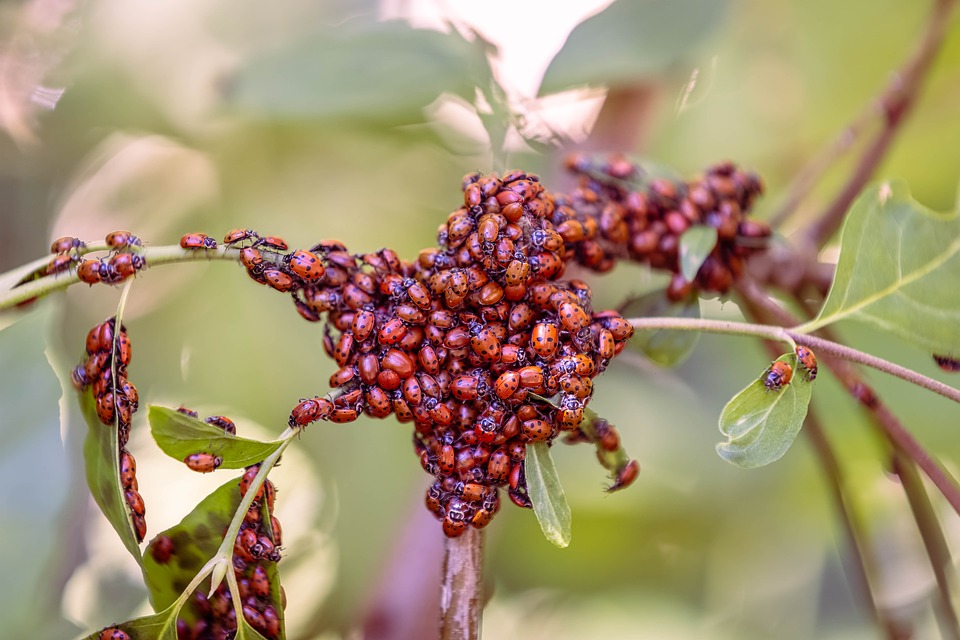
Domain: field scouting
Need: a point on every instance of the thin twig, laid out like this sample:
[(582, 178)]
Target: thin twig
[(461, 591), (933, 541), (896, 102), (772, 332)]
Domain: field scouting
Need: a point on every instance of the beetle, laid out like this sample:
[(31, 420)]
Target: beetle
[(777, 376)]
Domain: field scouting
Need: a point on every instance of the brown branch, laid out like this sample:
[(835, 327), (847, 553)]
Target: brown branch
[(461, 591), (895, 103)]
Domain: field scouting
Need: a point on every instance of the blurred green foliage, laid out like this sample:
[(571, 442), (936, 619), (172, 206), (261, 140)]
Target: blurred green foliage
[(304, 119)]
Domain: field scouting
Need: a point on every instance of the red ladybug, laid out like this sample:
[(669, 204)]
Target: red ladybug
[(121, 240), (135, 502), (272, 242), (306, 265), (197, 241), (113, 633), (66, 244), (224, 423), (947, 363), (545, 339), (125, 265), (808, 361), (187, 412), (88, 271), (239, 235), (625, 477), (59, 264), (203, 462), (279, 280), (777, 376), (128, 471), (162, 549)]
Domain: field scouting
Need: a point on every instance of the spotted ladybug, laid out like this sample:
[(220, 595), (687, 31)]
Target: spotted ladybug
[(305, 265), (203, 462), (197, 241), (121, 240), (808, 361), (66, 244), (777, 376)]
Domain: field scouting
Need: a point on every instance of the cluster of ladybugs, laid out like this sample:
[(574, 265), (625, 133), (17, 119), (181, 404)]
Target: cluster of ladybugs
[(459, 340), (105, 372), (257, 545), (646, 224), (780, 373), (122, 262)]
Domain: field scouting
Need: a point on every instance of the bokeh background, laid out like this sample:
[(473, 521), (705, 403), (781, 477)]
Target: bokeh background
[(355, 120)]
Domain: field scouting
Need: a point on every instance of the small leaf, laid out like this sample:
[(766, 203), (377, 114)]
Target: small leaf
[(361, 69), (630, 40), (195, 540), (663, 346), (180, 435), (546, 493), (696, 243), (159, 626), (760, 425), (246, 632), (102, 465), (899, 269)]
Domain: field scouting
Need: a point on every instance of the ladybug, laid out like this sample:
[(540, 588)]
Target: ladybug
[(246, 540), (128, 471), (777, 376), (106, 409), (88, 271), (126, 264), (224, 423), (121, 240), (305, 264), (572, 316), (135, 502), (187, 412), (277, 531), (606, 345), (203, 462), (162, 549), (947, 363), (78, 377), (544, 338), (507, 384), (260, 581), (271, 621), (139, 527), (392, 332), (279, 280), (484, 343), (59, 264), (808, 361), (250, 257), (66, 244), (197, 241), (239, 236), (342, 416), (536, 430), (113, 633), (364, 322), (625, 476), (129, 391), (272, 242)]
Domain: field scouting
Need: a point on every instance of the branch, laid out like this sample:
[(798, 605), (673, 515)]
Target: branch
[(895, 103), (461, 594), (770, 332), (154, 256)]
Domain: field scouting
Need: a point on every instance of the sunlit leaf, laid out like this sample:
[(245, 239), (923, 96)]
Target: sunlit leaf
[(630, 40), (159, 626), (760, 425), (194, 541), (180, 435), (899, 269), (101, 456), (663, 346), (546, 493), (696, 243), (361, 69)]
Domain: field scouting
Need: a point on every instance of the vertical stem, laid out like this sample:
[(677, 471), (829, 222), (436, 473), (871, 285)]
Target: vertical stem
[(461, 591)]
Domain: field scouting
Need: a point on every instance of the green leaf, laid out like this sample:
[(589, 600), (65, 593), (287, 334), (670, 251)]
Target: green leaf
[(696, 243), (195, 540), (760, 425), (899, 269), (361, 69), (159, 626), (546, 493), (246, 632), (666, 348), (101, 456), (180, 435), (630, 40)]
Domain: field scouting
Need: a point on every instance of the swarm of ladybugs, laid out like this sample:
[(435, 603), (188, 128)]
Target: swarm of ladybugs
[(645, 225), (256, 546), (105, 372), (466, 341)]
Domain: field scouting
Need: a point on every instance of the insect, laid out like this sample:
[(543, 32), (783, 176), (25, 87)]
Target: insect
[(777, 376), (197, 241), (203, 462), (808, 361), (121, 240), (65, 244), (239, 235)]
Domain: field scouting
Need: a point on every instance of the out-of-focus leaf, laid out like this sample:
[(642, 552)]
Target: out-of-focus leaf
[(899, 269), (102, 462), (760, 425), (546, 493), (629, 40), (666, 348), (159, 626), (246, 632), (35, 476), (360, 70), (194, 541), (696, 243), (180, 435)]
